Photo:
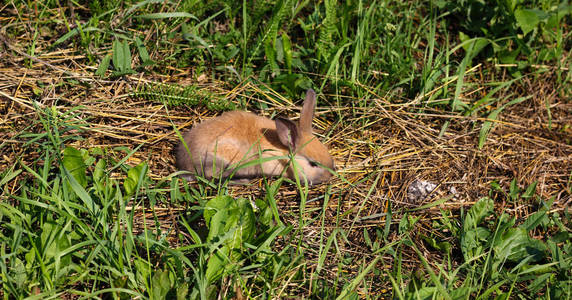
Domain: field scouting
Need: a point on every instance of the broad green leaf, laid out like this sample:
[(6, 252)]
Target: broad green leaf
[(556, 16), (103, 66), (19, 273), (118, 56), (62, 243), (231, 222), (508, 56), (515, 245), (472, 46), (183, 291), (53, 243), (513, 190), (535, 219), (505, 222), (218, 224), (439, 245), (367, 239), (99, 174), (540, 282), (247, 219), (145, 58), (121, 58), (287, 47), (473, 237), (474, 241), (478, 212), (265, 212), (526, 19), (530, 190), (134, 175), (161, 284), (30, 258), (561, 237), (73, 162), (216, 264), (511, 4), (235, 214), (403, 226), (126, 57), (558, 255), (538, 269), (216, 204)]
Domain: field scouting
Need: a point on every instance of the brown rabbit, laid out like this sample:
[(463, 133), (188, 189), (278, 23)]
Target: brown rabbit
[(223, 145)]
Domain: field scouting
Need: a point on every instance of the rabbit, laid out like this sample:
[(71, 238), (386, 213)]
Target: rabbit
[(222, 145)]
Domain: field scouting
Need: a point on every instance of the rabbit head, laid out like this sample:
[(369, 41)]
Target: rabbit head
[(311, 156)]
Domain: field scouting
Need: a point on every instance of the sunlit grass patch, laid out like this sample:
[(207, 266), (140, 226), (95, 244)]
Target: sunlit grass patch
[(466, 102)]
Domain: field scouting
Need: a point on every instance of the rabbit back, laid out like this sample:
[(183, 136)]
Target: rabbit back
[(221, 144)]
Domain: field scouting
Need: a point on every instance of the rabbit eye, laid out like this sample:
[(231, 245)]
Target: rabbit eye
[(313, 163)]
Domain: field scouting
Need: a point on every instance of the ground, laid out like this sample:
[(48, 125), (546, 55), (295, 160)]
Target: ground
[(380, 151)]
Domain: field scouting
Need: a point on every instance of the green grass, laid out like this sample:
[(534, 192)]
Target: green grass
[(88, 220)]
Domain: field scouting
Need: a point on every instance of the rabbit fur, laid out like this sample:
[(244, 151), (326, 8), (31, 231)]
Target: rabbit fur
[(222, 145)]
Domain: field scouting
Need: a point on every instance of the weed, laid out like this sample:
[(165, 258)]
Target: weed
[(470, 94)]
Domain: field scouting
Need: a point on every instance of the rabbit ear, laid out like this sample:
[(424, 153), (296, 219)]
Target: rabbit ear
[(287, 133), (307, 113)]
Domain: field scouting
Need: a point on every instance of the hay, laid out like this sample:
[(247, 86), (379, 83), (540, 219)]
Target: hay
[(379, 151)]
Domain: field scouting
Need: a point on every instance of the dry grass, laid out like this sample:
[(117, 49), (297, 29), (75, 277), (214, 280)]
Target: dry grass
[(379, 151)]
